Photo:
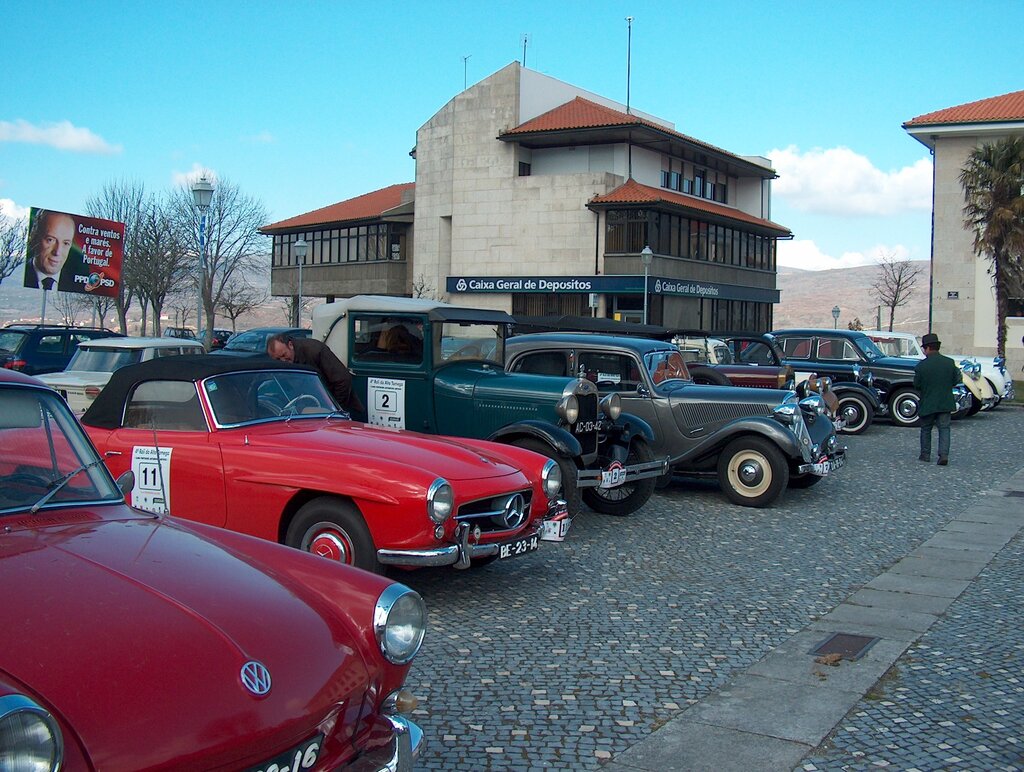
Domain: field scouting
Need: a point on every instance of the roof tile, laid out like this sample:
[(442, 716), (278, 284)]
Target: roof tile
[(364, 207), (1008, 107)]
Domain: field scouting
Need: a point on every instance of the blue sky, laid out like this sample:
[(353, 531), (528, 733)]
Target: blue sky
[(307, 103)]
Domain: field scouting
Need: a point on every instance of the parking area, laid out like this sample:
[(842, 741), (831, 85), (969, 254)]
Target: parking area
[(568, 657)]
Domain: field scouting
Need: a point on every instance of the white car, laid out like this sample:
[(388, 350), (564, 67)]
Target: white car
[(905, 344), (90, 368)]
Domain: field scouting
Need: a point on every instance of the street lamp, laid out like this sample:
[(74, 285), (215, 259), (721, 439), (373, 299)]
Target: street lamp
[(202, 195), (835, 317), (646, 255), (300, 248)]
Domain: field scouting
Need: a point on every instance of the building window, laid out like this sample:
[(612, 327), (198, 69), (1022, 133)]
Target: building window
[(524, 169)]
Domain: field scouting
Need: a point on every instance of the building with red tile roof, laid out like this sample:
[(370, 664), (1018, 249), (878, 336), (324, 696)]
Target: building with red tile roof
[(962, 304), (534, 196)]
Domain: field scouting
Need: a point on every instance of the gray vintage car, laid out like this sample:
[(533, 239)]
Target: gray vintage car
[(757, 442)]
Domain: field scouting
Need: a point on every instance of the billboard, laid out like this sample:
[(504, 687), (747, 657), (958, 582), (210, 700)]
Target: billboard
[(73, 253)]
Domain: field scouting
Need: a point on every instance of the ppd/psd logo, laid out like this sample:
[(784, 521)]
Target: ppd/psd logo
[(94, 281)]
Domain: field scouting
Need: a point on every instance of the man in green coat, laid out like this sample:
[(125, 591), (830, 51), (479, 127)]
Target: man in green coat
[(935, 376)]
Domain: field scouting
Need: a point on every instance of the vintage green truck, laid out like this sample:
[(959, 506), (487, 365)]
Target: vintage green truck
[(437, 368)]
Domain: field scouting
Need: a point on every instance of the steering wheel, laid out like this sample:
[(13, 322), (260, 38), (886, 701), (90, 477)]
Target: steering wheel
[(26, 479), (298, 400)]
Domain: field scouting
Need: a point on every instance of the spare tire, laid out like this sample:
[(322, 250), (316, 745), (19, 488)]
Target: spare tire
[(708, 375)]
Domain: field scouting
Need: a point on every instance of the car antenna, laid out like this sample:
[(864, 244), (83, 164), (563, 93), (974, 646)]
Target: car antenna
[(160, 473)]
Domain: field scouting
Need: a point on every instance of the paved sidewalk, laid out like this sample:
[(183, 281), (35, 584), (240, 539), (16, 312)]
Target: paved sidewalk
[(779, 712)]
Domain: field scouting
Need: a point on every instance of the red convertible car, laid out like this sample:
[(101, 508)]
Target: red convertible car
[(261, 447), (137, 641)]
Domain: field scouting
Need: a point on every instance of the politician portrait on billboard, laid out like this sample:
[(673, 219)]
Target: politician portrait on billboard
[(73, 253)]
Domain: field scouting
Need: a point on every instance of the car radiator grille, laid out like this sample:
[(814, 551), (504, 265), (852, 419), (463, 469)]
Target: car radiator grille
[(588, 415), (493, 513), (698, 415)]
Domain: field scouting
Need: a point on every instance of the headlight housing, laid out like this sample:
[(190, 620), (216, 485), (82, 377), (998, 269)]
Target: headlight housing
[(785, 413), (869, 379), (440, 500), (611, 406), (568, 408), (31, 738), (813, 407), (856, 372), (551, 479), (399, 622)]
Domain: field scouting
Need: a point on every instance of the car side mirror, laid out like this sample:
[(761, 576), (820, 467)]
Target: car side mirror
[(126, 481), (642, 390)]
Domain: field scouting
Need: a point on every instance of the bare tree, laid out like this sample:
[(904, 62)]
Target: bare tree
[(895, 283), (12, 245), (123, 201), (163, 265), (856, 324), (233, 241), (289, 303), (240, 297), (99, 307), (71, 306), (422, 289)]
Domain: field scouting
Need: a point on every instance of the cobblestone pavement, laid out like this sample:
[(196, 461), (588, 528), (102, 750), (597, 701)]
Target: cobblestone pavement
[(567, 657)]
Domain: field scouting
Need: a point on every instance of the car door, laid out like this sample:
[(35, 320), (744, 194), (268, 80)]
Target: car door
[(164, 439)]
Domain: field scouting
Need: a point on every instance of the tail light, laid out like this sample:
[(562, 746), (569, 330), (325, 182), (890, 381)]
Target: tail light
[(92, 391), (15, 364)]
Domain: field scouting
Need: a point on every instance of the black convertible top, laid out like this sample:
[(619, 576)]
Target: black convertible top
[(106, 411)]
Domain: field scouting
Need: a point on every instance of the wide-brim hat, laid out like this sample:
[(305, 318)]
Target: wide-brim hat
[(930, 339)]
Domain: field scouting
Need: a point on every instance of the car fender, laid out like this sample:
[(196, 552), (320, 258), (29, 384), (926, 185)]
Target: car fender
[(627, 426), (767, 428), (560, 440), (845, 387)]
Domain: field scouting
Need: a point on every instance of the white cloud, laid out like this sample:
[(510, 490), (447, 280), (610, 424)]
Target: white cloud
[(62, 135), (805, 254), (180, 179), (839, 181), (11, 210)]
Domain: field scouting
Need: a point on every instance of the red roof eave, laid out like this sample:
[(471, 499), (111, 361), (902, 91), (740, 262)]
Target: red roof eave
[(368, 206)]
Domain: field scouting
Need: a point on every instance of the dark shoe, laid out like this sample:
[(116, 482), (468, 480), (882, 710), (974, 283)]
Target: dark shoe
[(924, 458), (943, 462)]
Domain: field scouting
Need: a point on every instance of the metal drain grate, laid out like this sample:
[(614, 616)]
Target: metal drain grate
[(1014, 494), (851, 647)]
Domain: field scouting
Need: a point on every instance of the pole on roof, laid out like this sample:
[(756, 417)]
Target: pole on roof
[(629, 50)]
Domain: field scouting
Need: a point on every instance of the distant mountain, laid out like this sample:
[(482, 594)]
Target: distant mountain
[(809, 296)]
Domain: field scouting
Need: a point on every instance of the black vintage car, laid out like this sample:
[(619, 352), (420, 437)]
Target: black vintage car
[(756, 441), (851, 356)]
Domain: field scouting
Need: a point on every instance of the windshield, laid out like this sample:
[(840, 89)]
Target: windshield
[(868, 347), (11, 340), (40, 444), (240, 398), (666, 365), (95, 359), (470, 341)]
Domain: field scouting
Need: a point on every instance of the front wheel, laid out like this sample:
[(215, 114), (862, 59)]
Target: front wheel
[(975, 405), (629, 497), (752, 472), (570, 475), (856, 412), (904, 407), (335, 530)]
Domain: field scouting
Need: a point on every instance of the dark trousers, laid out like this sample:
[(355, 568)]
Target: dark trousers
[(942, 421)]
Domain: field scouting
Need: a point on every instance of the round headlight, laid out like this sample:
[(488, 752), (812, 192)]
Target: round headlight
[(399, 622), (869, 379), (440, 500), (31, 737), (569, 408), (611, 406), (856, 372), (551, 478)]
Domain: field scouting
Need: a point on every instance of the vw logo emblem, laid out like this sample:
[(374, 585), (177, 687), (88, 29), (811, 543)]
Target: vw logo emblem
[(255, 678), (461, 285), (515, 511)]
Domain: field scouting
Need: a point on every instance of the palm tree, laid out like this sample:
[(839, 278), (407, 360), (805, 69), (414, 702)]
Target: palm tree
[(993, 183)]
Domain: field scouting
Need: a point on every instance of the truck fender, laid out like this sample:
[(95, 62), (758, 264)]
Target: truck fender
[(561, 440)]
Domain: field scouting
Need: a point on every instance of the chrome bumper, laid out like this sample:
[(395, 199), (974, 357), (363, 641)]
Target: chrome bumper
[(616, 474), (405, 746), (1008, 389)]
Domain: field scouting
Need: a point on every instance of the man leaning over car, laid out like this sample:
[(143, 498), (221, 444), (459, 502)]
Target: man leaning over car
[(306, 351)]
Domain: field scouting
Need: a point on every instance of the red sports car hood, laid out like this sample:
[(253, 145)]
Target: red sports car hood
[(143, 662), (437, 456)]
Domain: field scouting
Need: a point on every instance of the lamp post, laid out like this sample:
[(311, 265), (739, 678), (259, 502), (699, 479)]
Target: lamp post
[(835, 317), (202, 195), (646, 255), (300, 248)]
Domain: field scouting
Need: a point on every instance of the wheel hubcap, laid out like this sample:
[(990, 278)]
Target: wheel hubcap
[(907, 408), (750, 472), (332, 546)]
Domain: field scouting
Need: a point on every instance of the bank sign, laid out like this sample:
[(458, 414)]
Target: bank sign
[(608, 285)]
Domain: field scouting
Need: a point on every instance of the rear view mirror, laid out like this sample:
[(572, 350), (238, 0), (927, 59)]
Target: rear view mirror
[(126, 481)]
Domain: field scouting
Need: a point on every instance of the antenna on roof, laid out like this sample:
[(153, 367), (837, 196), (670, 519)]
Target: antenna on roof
[(629, 50), (526, 42), (464, 60)]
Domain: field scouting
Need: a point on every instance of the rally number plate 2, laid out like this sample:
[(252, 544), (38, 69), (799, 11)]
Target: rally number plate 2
[(303, 756), (519, 547)]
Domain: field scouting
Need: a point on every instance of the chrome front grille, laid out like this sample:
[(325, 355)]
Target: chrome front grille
[(507, 512)]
